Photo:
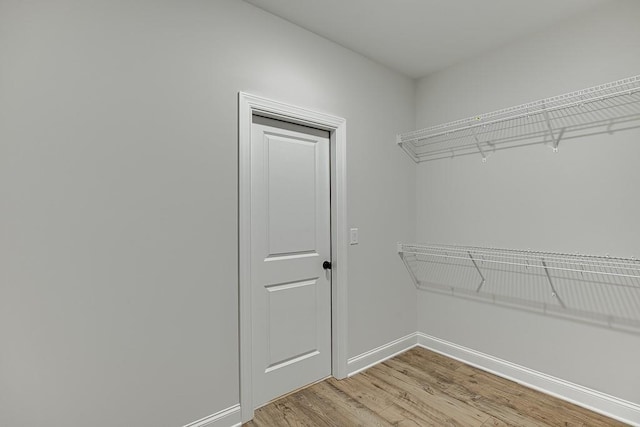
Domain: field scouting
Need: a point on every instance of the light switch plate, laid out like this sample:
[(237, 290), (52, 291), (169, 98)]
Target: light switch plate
[(353, 236)]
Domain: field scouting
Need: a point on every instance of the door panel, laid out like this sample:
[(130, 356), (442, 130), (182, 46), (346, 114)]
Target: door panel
[(290, 238), (292, 312), (291, 197)]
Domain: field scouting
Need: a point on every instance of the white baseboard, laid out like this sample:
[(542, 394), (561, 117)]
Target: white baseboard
[(596, 401), (229, 417), (372, 357)]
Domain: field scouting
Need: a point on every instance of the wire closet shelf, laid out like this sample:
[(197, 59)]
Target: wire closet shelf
[(606, 108), (592, 289)]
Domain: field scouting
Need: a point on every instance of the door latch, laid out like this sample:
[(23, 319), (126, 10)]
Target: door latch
[(326, 265)]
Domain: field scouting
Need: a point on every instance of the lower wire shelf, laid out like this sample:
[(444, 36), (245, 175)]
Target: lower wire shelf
[(592, 289)]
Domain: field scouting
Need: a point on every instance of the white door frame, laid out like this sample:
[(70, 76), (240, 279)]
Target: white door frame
[(248, 106)]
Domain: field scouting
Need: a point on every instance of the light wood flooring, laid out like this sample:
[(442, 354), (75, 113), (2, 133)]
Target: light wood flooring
[(422, 388)]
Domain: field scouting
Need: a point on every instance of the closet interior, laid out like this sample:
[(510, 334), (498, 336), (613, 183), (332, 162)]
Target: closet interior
[(602, 290)]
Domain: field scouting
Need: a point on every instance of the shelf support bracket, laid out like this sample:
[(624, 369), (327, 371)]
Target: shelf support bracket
[(479, 272), (408, 267), (484, 156), (553, 289), (548, 122), (556, 142)]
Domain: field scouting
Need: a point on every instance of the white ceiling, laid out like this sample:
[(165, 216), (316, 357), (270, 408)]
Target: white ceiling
[(418, 37)]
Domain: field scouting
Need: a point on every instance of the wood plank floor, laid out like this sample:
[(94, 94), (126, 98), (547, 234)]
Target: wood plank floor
[(422, 388)]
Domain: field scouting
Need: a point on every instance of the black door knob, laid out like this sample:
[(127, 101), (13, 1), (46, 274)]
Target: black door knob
[(326, 265)]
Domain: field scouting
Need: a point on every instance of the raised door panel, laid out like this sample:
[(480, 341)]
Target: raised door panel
[(292, 312), (291, 195)]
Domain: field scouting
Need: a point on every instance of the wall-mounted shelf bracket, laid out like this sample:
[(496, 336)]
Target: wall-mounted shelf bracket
[(547, 120), (484, 156), (479, 272), (556, 141), (554, 293)]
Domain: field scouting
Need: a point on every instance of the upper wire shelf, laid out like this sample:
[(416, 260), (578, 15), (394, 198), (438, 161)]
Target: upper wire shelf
[(593, 289), (606, 108)]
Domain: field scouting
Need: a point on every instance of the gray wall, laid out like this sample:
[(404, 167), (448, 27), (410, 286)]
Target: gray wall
[(582, 199), (118, 200)]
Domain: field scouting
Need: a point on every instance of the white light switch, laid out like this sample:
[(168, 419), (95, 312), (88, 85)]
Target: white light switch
[(353, 236)]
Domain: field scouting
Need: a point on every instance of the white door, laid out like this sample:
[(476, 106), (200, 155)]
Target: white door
[(290, 241)]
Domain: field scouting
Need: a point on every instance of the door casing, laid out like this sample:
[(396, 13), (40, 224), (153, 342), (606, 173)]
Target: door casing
[(248, 105)]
